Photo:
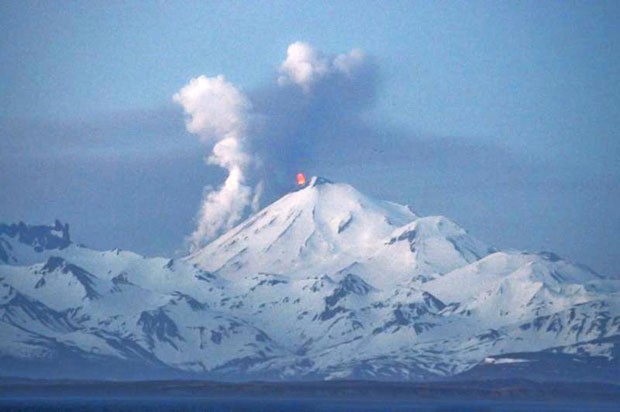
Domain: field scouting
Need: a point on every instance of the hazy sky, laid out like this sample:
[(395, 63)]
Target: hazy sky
[(502, 116)]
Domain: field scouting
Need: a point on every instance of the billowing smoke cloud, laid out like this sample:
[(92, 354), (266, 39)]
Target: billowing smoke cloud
[(313, 115), (305, 66), (263, 138), (220, 115)]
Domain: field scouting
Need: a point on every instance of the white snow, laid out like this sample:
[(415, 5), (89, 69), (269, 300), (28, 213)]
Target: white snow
[(320, 282)]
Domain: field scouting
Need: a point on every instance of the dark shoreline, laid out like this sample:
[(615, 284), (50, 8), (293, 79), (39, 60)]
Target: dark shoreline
[(497, 390)]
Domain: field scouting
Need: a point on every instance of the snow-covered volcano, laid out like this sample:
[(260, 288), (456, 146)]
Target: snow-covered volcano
[(325, 283), (327, 227)]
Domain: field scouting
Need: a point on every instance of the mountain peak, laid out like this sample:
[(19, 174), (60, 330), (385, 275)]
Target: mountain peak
[(325, 223), (39, 236), (326, 227), (318, 181), (19, 238)]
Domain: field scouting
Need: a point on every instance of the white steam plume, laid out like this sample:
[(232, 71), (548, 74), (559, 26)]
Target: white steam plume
[(219, 113), (305, 66)]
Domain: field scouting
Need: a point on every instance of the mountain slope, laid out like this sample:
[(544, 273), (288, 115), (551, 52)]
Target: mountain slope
[(325, 283), (327, 227)]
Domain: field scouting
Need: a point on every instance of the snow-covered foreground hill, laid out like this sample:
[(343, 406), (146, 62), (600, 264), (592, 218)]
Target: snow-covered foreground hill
[(325, 283)]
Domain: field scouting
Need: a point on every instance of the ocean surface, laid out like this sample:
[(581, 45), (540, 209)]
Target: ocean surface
[(286, 405)]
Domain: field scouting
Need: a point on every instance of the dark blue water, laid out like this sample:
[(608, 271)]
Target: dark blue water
[(285, 405)]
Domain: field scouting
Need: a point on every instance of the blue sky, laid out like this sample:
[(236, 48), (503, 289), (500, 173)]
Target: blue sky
[(502, 116)]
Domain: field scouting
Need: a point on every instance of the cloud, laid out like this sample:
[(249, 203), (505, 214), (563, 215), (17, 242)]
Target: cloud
[(303, 66), (306, 66), (219, 114), (215, 108), (349, 63)]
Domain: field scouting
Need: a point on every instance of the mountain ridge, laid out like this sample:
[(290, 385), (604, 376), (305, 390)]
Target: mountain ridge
[(324, 283)]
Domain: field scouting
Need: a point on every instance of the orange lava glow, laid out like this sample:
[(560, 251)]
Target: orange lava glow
[(301, 179)]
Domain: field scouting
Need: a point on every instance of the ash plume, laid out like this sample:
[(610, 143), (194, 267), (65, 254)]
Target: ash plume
[(264, 137)]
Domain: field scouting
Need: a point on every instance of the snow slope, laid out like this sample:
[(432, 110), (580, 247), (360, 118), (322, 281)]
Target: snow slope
[(325, 283)]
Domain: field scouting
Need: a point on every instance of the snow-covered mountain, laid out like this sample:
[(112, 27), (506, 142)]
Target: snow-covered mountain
[(325, 283)]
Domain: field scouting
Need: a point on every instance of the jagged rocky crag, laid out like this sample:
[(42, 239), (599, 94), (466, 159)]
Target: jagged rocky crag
[(325, 283)]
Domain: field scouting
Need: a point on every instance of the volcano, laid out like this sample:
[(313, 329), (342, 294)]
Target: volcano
[(325, 283)]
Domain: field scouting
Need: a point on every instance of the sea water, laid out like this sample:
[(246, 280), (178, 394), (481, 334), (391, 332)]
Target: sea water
[(285, 405)]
